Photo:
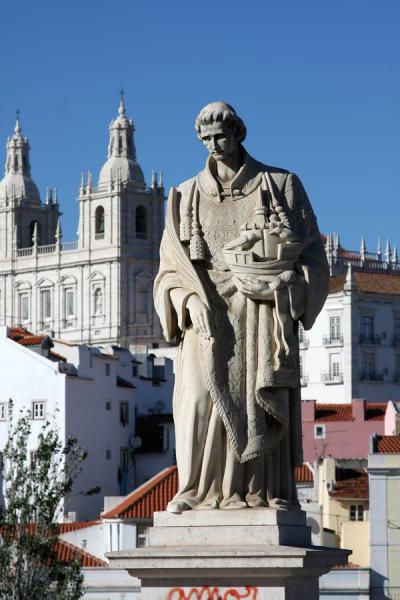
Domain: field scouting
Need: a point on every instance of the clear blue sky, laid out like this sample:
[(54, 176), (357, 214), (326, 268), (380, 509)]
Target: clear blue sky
[(316, 81)]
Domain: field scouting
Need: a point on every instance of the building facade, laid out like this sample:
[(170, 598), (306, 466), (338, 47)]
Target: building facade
[(353, 349), (97, 289), (88, 394)]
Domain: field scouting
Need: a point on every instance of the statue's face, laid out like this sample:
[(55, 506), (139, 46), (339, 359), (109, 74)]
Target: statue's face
[(219, 140)]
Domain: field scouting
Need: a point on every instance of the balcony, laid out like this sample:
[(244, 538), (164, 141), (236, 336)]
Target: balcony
[(304, 381), (372, 376), (331, 379), (332, 341), (99, 236), (372, 340)]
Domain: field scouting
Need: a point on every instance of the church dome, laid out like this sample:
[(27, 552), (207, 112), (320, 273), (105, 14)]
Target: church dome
[(17, 181), (125, 168), (121, 162), (20, 186)]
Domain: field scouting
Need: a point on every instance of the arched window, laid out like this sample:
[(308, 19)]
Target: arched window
[(99, 222), (98, 301), (32, 231), (141, 222)]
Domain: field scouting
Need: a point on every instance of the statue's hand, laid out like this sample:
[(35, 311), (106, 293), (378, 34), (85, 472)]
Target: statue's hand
[(200, 316), (254, 288), (257, 288)]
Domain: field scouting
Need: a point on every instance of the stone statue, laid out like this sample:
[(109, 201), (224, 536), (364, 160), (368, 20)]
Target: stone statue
[(241, 263)]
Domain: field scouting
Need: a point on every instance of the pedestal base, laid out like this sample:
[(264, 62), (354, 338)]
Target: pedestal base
[(227, 555)]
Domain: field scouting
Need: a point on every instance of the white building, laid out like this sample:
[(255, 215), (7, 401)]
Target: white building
[(88, 393), (353, 350), (97, 289)]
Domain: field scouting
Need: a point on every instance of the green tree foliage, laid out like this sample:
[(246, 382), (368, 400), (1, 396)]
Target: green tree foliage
[(34, 485)]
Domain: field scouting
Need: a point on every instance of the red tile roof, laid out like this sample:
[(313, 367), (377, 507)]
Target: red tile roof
[(388, 444), (375, 411), (369, 283), (150, 497), (24, 337), (67, 552), (155, 494), (304, 474), (354, 486), (75, 525), (325, 413)]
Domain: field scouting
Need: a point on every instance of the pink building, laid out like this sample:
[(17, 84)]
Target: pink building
[(343, 430)]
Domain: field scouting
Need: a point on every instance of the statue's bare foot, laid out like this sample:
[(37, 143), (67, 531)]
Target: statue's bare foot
[(256, 502), (178, 506), (211, 505), (280, 504), (234, 505)]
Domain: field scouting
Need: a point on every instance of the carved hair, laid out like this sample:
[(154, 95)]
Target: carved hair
[(224, 113)]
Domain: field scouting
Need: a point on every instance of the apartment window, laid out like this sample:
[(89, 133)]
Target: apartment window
[(108, 404), (301, 333), (356, 512), (1, 461), (301, 366), (107, 368), (45, 305), (334, 328), (3, 411), (159, 367), (124, 413), (142, 531), (38, 409), (108, 454), (69, 304), (334, 365), (319, 431), (368, 364), (134, 371), (367, 327), (124, 458), (24, 308)]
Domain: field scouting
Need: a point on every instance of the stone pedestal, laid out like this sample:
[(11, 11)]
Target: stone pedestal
[(258, 554)]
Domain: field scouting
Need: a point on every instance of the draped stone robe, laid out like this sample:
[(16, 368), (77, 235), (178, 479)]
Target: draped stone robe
[(237, 396)]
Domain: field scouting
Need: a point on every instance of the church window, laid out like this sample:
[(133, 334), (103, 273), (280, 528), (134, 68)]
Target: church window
[(141, 222), (45, 305), (69, 303), (142, 299), (98, 301), (24, 307), (99, 222)]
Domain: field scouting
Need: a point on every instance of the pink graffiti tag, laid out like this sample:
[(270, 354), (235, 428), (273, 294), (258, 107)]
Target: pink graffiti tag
[(207, 593)]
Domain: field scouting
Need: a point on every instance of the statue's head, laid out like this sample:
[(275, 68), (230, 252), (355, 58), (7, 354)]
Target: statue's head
[(220, 129)]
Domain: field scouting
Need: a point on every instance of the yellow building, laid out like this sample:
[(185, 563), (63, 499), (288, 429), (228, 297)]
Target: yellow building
[(344, 499)]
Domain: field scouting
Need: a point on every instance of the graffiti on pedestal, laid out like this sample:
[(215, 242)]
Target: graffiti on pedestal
[(212, 593)]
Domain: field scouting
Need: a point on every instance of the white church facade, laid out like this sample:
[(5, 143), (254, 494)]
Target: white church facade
[(98, 289)]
